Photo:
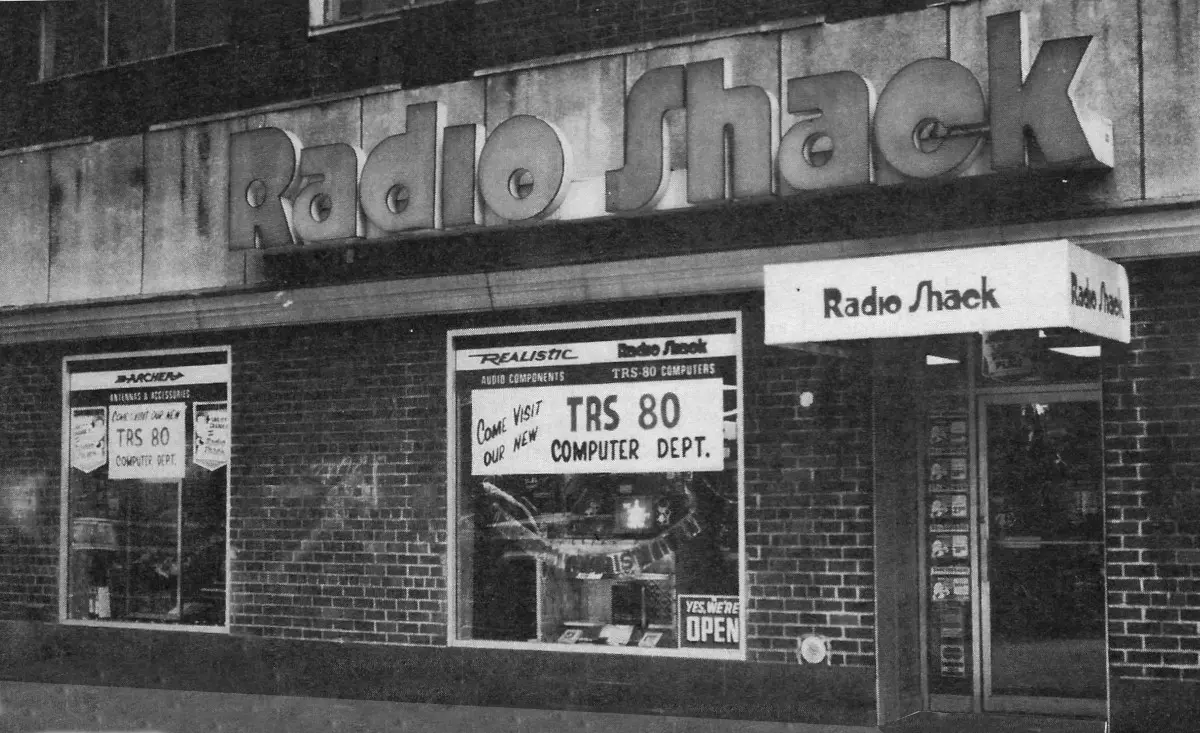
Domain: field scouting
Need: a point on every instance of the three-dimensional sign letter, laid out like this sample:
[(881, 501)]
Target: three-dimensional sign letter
[(1041, 99), (831, 145), (262, 164)]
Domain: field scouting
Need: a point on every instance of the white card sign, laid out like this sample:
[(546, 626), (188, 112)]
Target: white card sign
[(147, 441), (624, 427), (210, 441), (89, 450)]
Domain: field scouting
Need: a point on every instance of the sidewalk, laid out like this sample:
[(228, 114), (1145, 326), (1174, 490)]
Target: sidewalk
[(35, 708), (991, 723)]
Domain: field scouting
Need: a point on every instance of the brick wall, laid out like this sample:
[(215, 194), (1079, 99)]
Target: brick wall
[(338, 487), (521, 29), (1152, 475), (513, 30), (809, 521), (30, 385), (339, 502), (269, 59)]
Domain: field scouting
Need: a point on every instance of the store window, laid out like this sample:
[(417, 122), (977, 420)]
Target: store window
[(598, 484), (145, 488), (332, 13), (84, 35)]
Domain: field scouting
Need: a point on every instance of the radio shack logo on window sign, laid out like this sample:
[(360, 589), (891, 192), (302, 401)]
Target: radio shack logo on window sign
[(670, 348), (143, 377)]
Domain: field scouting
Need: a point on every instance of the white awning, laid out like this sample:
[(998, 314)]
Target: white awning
[(1006, 287)]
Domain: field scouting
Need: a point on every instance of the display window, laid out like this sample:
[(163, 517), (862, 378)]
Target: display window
[(598, 490), (146, 450)]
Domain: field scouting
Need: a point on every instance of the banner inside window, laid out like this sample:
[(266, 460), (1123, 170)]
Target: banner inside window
[(598, 481)]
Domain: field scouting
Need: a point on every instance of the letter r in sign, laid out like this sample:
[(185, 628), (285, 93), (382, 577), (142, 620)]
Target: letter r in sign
[(261, 170)]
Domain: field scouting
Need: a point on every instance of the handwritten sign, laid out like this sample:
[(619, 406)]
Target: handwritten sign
[(147, 441), (210, 435), (626, 427), (89, 449)]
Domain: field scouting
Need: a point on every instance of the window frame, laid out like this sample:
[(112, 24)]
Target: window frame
[(321, 22), (64, 537), (45, 48), (453, 469)]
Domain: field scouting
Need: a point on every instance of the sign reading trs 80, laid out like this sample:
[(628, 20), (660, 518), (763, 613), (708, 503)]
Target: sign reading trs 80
[(625, 427)]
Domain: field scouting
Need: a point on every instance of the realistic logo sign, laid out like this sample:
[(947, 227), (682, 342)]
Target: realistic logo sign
[(525, 357), (930, 120)]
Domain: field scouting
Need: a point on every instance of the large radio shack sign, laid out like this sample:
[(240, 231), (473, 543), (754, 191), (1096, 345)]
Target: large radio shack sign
[(931, 120)]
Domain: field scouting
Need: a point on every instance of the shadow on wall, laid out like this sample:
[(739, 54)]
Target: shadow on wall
[(21, 500), (28, 544), (354, 554), (346, 488), (330, 493)]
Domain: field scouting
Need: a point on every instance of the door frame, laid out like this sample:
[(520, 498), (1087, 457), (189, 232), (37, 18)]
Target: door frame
[(1017, 394)]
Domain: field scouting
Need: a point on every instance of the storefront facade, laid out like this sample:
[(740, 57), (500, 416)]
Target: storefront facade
[(777, 374)]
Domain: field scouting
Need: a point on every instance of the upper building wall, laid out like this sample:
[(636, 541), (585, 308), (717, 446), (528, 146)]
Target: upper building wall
[(268, 57), (279, 50), (149, 213)]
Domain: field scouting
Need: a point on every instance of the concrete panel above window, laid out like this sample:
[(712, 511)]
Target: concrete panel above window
[(584, 101), (1170, 43), (832, 48), (187, 177), (746, 64), (1101, 91), (317, 124), (454, 111), (23, 238), (96, 220)]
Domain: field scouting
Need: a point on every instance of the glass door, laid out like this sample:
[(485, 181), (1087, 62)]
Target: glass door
[(1042, 553)]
